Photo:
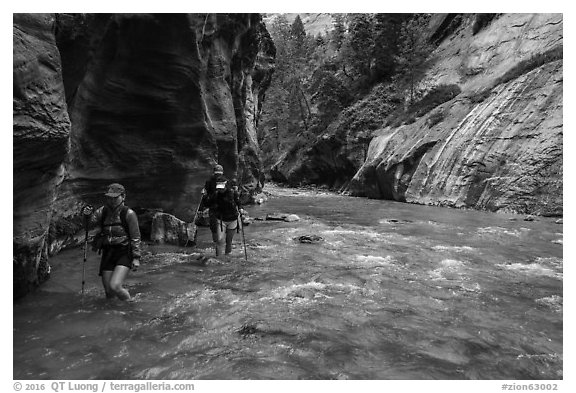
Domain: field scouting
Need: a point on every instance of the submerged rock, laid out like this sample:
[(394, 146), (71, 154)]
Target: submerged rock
[(309, 239), (201, 259), (394, 221), (275, 217), (282, 217)]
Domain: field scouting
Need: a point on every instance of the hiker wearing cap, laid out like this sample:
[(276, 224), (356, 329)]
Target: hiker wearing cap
[(118, 240), (222, 199)]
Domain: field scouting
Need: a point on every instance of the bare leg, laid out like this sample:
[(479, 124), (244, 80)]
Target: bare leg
[(117, 280), (106, 277), (229, 238), (218, 238)]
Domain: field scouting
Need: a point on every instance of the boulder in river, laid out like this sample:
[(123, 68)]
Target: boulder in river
[(167, 229), (259, 198)]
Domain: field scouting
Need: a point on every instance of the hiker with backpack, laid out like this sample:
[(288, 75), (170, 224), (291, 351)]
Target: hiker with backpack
[(118, 240), (222, 198)]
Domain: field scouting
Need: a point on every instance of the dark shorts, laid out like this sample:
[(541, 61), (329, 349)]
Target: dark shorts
[(217, 225), (114, 256)]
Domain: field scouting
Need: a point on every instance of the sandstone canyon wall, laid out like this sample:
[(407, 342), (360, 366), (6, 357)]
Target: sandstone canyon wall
[(495, 145), (40, 144), (150, 101), (502, 151)]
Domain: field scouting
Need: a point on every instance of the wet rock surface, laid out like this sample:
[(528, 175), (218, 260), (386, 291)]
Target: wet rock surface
[(147, 100)]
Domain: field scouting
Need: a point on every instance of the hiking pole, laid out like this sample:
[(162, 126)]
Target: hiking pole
[(243, 238), (195, 227), (86, 216)]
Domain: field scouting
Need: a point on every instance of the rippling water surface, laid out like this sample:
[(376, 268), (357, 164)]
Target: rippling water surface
[(393, 291)]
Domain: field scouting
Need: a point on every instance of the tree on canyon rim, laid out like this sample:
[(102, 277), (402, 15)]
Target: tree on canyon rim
[(287, 108), (316, 78), (414, 50)]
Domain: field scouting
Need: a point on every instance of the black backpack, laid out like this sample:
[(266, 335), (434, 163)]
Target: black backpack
[(225, 204)]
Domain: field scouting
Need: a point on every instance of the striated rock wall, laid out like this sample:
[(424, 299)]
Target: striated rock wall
[(162, 98), (498, 144), (503, 154), (41, 130), (150, 101)]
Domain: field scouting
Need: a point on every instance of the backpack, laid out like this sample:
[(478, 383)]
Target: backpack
[(221, 204), (123, 221), (224, 204), (98, 241)]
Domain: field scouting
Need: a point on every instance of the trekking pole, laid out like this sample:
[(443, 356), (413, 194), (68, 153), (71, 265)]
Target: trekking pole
[(195, 227), (243, 238), (242, 222), (85, 249)]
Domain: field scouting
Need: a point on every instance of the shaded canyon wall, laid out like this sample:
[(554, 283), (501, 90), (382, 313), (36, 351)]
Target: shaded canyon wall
[(41, 131), (150, 101)]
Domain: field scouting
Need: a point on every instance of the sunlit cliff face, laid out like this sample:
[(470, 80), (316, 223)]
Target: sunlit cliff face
[(500, 152), (495, 144)]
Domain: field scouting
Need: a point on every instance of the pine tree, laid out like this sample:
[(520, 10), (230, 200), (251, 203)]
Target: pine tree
[(386, 29), (361, 43), (297, 30), (414, 50)]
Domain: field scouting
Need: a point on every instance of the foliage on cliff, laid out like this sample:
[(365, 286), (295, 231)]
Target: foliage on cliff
[(341, 77)]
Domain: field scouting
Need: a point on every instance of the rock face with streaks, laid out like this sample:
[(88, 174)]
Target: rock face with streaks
[(495, 142), (504, 154), (149, 101), (40, 144), (499, 143), (157, 99)]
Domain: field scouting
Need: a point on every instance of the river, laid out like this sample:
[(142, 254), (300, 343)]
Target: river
[(392, 291)]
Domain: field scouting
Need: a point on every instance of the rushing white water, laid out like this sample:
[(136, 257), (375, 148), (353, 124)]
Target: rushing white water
[(393, 291)]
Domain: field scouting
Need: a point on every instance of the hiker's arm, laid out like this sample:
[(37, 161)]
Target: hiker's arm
[(208, 199), (91, 217), (237, 201), (202, 204), (134, 234)]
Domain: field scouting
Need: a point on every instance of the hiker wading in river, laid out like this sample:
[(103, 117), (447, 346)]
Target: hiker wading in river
[(118, 240), (221, 197)]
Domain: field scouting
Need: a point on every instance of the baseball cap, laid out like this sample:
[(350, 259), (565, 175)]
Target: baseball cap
[(115, 190), (218, 169)]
